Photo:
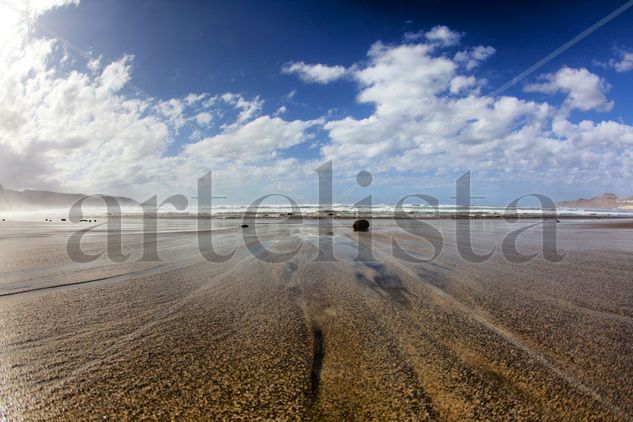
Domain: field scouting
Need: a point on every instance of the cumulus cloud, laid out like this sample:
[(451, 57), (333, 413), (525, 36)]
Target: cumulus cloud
[(408, 85), (443, 36), (203, 118), (173, 110), (462, 83), (38, 7), (116, 74), (475, 56), (255, 140), (66, 129), (248, 108), (403, 79), (431, 122), (74, 129), (314, 73), (585, 90), (95, 64), (194, 98), (624, 62)]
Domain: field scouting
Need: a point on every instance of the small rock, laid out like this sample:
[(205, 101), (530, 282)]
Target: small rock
[(360, 225), (244, 226)]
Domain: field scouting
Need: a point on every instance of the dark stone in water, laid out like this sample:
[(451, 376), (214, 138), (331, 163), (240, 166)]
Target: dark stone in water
[(361, 225), (244, 226)]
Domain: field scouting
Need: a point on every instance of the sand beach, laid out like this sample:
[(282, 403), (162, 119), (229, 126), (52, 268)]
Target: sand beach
[(367, 337)]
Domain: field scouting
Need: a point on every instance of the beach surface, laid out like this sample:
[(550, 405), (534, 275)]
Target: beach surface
[(366, 336)]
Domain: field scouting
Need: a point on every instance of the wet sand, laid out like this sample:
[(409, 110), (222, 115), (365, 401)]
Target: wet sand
[(356, 339)]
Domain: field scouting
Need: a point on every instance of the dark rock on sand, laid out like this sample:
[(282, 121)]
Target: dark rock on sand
[(244, 226), (361, 225)]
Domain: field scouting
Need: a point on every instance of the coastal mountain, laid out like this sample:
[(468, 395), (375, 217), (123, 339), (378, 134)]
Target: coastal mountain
[(12, 200), (606, 200)]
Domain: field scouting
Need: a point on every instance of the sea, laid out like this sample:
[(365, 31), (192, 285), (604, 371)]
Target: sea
[(317, 211)]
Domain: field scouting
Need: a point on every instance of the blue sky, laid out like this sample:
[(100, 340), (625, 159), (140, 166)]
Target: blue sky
[(256, 70), (218, 46)]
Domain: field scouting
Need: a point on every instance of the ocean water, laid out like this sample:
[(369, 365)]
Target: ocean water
[(314, 211)]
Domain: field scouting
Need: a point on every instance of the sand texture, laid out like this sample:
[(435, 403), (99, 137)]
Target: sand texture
[(356, 339)]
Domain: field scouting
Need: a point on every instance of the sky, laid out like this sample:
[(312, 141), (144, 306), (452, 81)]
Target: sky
[(142, 98)]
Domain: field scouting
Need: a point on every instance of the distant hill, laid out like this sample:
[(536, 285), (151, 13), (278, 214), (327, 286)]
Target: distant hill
[(607, 200), (12, 200)]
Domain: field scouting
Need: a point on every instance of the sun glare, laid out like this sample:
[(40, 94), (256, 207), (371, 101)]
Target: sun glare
[(8, 21)]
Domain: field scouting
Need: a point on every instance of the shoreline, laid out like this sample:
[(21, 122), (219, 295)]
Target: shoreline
[(284, 218), (409, 216)]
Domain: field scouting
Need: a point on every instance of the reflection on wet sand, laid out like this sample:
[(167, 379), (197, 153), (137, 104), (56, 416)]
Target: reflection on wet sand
[(367, 336)]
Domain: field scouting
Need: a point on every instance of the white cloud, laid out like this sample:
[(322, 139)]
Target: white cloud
[(439, 35), (403, 79), (624, 63), (443, 36), (38, 7), (193, 98), (173, 110), (117, 74), (419, 130), (462, 83), (254, 140), (314, 73), (585, 90), (203, 118), (62, 128), (248, 108), (95, 64), (472, 58)]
